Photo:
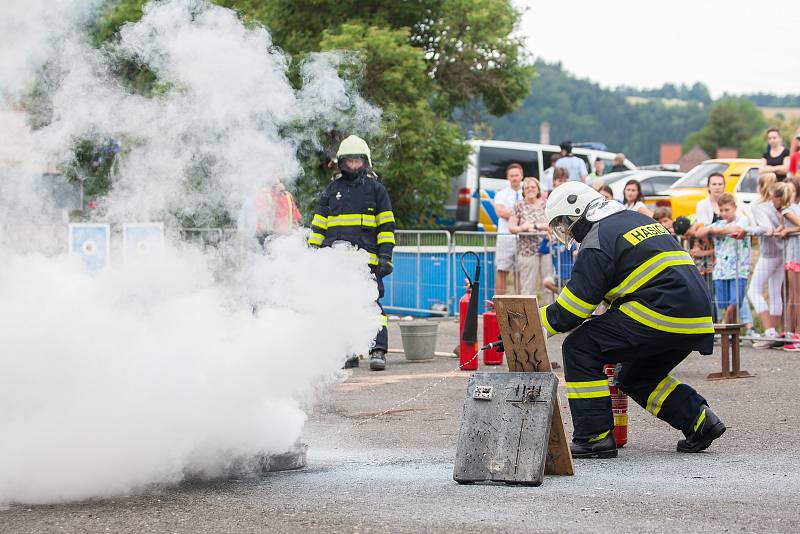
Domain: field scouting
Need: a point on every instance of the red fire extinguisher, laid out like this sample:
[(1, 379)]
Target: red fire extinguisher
[(466, 350), (468, 317), (491, 333), (619, 407)]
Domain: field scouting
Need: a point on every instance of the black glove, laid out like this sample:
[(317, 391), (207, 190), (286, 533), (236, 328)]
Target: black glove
[(385, 266)]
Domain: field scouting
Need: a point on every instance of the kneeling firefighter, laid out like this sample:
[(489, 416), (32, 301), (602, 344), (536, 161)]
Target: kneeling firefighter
[(355, 209), (659, 311)]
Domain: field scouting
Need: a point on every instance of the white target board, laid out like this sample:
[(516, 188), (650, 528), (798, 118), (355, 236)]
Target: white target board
[(140, 240), (91, 243)]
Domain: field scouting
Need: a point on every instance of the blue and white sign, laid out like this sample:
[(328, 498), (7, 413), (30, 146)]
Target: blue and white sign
[(92, 243), (142, 239)]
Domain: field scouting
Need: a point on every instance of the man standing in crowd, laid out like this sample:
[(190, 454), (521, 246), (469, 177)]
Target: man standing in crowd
[(574, 165), (506, 250), (618, 163), (355, 210), (547, 176), (659, 312)]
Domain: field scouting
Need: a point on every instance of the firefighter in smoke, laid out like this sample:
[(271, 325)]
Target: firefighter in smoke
[(355, 210), (659, 312)]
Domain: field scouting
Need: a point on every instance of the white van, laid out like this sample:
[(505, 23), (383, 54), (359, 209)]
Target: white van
[(471, 206)]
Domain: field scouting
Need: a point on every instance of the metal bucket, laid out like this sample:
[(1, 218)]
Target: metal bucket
[(419, 339)]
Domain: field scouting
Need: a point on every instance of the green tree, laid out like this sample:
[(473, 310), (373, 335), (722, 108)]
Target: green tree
[(467, 45), (417, 60), (417, 153), (732, 122)]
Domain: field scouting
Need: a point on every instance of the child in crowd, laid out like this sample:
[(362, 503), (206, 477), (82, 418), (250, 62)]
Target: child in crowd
[(769, 267), (732, 264), (663, 215), (701, 249), (563, 259), (551, 283), (560, 177), (784, 198)]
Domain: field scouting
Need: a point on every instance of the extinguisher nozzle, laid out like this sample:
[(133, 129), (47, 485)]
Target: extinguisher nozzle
[(494, 345)]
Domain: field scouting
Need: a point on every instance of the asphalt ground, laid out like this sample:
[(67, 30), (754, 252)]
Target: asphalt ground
[(393, 472)]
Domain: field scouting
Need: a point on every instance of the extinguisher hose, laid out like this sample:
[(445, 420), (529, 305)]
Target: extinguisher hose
[(471, 281), (470, 332)]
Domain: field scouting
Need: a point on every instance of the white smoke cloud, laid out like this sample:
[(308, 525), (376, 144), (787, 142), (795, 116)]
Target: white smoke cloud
[(32, 31), (151, 370), (227, 96)]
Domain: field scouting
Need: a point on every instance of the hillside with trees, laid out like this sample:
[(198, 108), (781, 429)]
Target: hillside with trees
[(633, 121)]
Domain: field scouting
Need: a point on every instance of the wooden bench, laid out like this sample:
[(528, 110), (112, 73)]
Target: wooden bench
[(729, 348)]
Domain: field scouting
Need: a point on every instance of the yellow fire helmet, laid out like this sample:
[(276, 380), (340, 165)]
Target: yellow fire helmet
[(354, 146)]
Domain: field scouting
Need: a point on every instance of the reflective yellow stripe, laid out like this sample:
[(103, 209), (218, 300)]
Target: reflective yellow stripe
[(700, 419), (647, 271), (385, 217), (315, 239), (589, 384), (386, 237), (545, 322), (598, 437), (352, 219), (656, 399), (348, 219), (591, 389), (588, 394), (569, 301), (665, 323), (373, 258), (320, 221), (384, 320)]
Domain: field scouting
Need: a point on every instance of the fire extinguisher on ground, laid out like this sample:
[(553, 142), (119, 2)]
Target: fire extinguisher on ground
[(619, 407), (468, 318), (491, 333)]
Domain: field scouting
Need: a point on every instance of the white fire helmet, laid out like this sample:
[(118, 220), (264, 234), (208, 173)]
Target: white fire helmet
[(570, 202), (354, 146)]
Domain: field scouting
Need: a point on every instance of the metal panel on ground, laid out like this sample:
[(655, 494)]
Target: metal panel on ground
[(505, 428)]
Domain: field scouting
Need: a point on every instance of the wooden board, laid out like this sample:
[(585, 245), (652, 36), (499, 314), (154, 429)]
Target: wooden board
[(525, 343)]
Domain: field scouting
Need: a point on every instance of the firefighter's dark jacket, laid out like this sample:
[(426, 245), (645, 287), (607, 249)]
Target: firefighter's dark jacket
[(633, 263), (357, 210)]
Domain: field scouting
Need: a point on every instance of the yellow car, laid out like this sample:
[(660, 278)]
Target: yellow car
[(741, 179)]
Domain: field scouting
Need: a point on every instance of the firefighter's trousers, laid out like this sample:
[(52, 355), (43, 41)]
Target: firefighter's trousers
[(647, 356)]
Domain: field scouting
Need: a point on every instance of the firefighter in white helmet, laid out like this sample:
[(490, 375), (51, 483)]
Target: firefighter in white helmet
[(659, 312), (355, 208)]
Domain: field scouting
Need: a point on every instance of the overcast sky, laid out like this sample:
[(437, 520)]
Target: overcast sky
[(734, 46)]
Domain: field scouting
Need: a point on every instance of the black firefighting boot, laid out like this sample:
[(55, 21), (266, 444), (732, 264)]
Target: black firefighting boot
[(706, 428), (351, 362), (377, 360), (600, 446)]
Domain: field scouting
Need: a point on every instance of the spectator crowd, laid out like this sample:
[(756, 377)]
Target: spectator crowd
[(748, 253)]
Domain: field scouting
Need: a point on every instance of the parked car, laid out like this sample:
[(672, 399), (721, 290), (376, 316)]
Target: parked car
[(741, 178), (654, 183), (471, 205)]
